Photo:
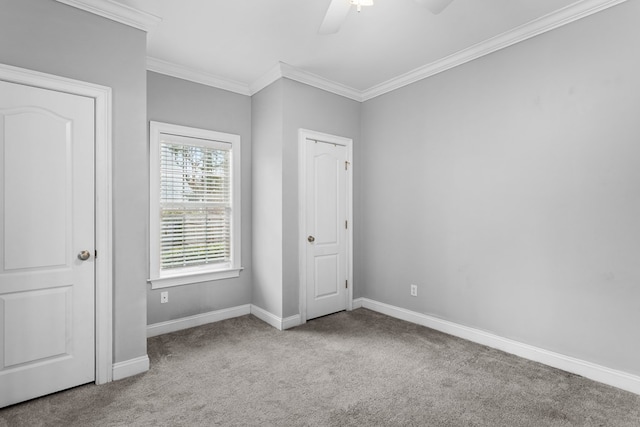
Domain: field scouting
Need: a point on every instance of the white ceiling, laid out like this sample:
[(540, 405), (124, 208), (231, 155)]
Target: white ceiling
[(242, 40)]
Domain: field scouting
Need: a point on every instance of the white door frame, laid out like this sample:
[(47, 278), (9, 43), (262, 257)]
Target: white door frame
[(303, 135), (103, 201)]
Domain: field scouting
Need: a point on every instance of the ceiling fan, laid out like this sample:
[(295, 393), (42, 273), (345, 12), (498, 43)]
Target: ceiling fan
[(338, 9)]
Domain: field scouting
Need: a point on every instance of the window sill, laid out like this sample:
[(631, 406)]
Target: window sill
[(191, 278)]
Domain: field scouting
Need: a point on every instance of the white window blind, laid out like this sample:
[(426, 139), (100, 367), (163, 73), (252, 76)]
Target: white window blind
[(195, 203)]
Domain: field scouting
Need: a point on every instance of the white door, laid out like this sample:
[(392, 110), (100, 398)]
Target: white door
[(326, 223), (46, 222)]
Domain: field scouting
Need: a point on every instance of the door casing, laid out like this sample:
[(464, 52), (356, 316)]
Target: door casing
[(303, 136), (103, 201)]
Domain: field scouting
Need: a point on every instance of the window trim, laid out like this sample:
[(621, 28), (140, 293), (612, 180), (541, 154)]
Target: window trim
[(190, 275)]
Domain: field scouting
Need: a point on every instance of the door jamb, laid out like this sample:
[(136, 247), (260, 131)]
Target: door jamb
[(103, 202), (303, 135)]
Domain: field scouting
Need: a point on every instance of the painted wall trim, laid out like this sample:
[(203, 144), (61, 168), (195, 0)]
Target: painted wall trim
[(266, 316), (273, 320), (197, 320), (282, 70), (269, 77), (586, 369), (531, 29), (319, 82), (197, 76), (130, 367), (116, 11), (564, 16), (291, 321), (169, 326)]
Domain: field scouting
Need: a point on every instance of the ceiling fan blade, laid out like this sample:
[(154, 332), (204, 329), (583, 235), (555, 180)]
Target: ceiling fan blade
[(435, 6), (335, 16)]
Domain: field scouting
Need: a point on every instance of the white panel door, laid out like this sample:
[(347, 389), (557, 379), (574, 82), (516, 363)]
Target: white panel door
[(47, 339), (326, 216)]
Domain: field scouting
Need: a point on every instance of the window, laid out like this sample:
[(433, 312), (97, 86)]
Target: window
[(194, 205)]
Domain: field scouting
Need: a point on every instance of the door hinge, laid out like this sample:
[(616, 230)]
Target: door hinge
[(346, 164), (346, 283), (346, 224), (95, 255)]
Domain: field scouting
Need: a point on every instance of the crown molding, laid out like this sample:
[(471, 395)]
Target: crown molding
[(282, 70), (564, 16), (319, 82), (531, 29), (116, 12), (271, 76), (185, 73)]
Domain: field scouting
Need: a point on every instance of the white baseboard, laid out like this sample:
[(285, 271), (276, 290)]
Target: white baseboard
[(357, 303), (218, 315), (586, 369), (197, 320), (130, 367), (291, 321), (266, 316), (273, 320)]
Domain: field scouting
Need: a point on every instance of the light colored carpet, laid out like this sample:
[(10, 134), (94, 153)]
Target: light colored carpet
[(350, 369)]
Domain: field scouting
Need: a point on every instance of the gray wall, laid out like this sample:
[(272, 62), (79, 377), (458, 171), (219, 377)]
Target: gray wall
[(314, 109), (266, 116), (508, 190), (278, 112), (50, 37), (181, 102)]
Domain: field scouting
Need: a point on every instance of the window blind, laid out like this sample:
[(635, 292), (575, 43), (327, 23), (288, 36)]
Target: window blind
[(195, 203)]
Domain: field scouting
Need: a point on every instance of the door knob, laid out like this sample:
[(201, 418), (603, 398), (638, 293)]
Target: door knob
[(311, 239), (84, 255)]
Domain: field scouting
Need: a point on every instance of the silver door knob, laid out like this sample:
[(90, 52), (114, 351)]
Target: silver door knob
[(84, 255), (311, 239)]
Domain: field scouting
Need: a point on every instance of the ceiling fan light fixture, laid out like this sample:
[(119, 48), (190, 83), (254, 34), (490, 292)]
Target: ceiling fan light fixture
[(360, 3)]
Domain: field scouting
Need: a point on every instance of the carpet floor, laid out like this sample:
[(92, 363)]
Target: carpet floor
[(357, 368)]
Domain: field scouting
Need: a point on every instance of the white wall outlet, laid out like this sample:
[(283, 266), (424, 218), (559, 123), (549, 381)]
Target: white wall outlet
[(414, 290), (164, 297)]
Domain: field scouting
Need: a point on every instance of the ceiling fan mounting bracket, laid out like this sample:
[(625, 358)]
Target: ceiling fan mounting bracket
[(339, 9)]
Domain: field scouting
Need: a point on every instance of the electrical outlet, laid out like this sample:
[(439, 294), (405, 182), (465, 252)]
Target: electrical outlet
[(414, 290), (164, 297)]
